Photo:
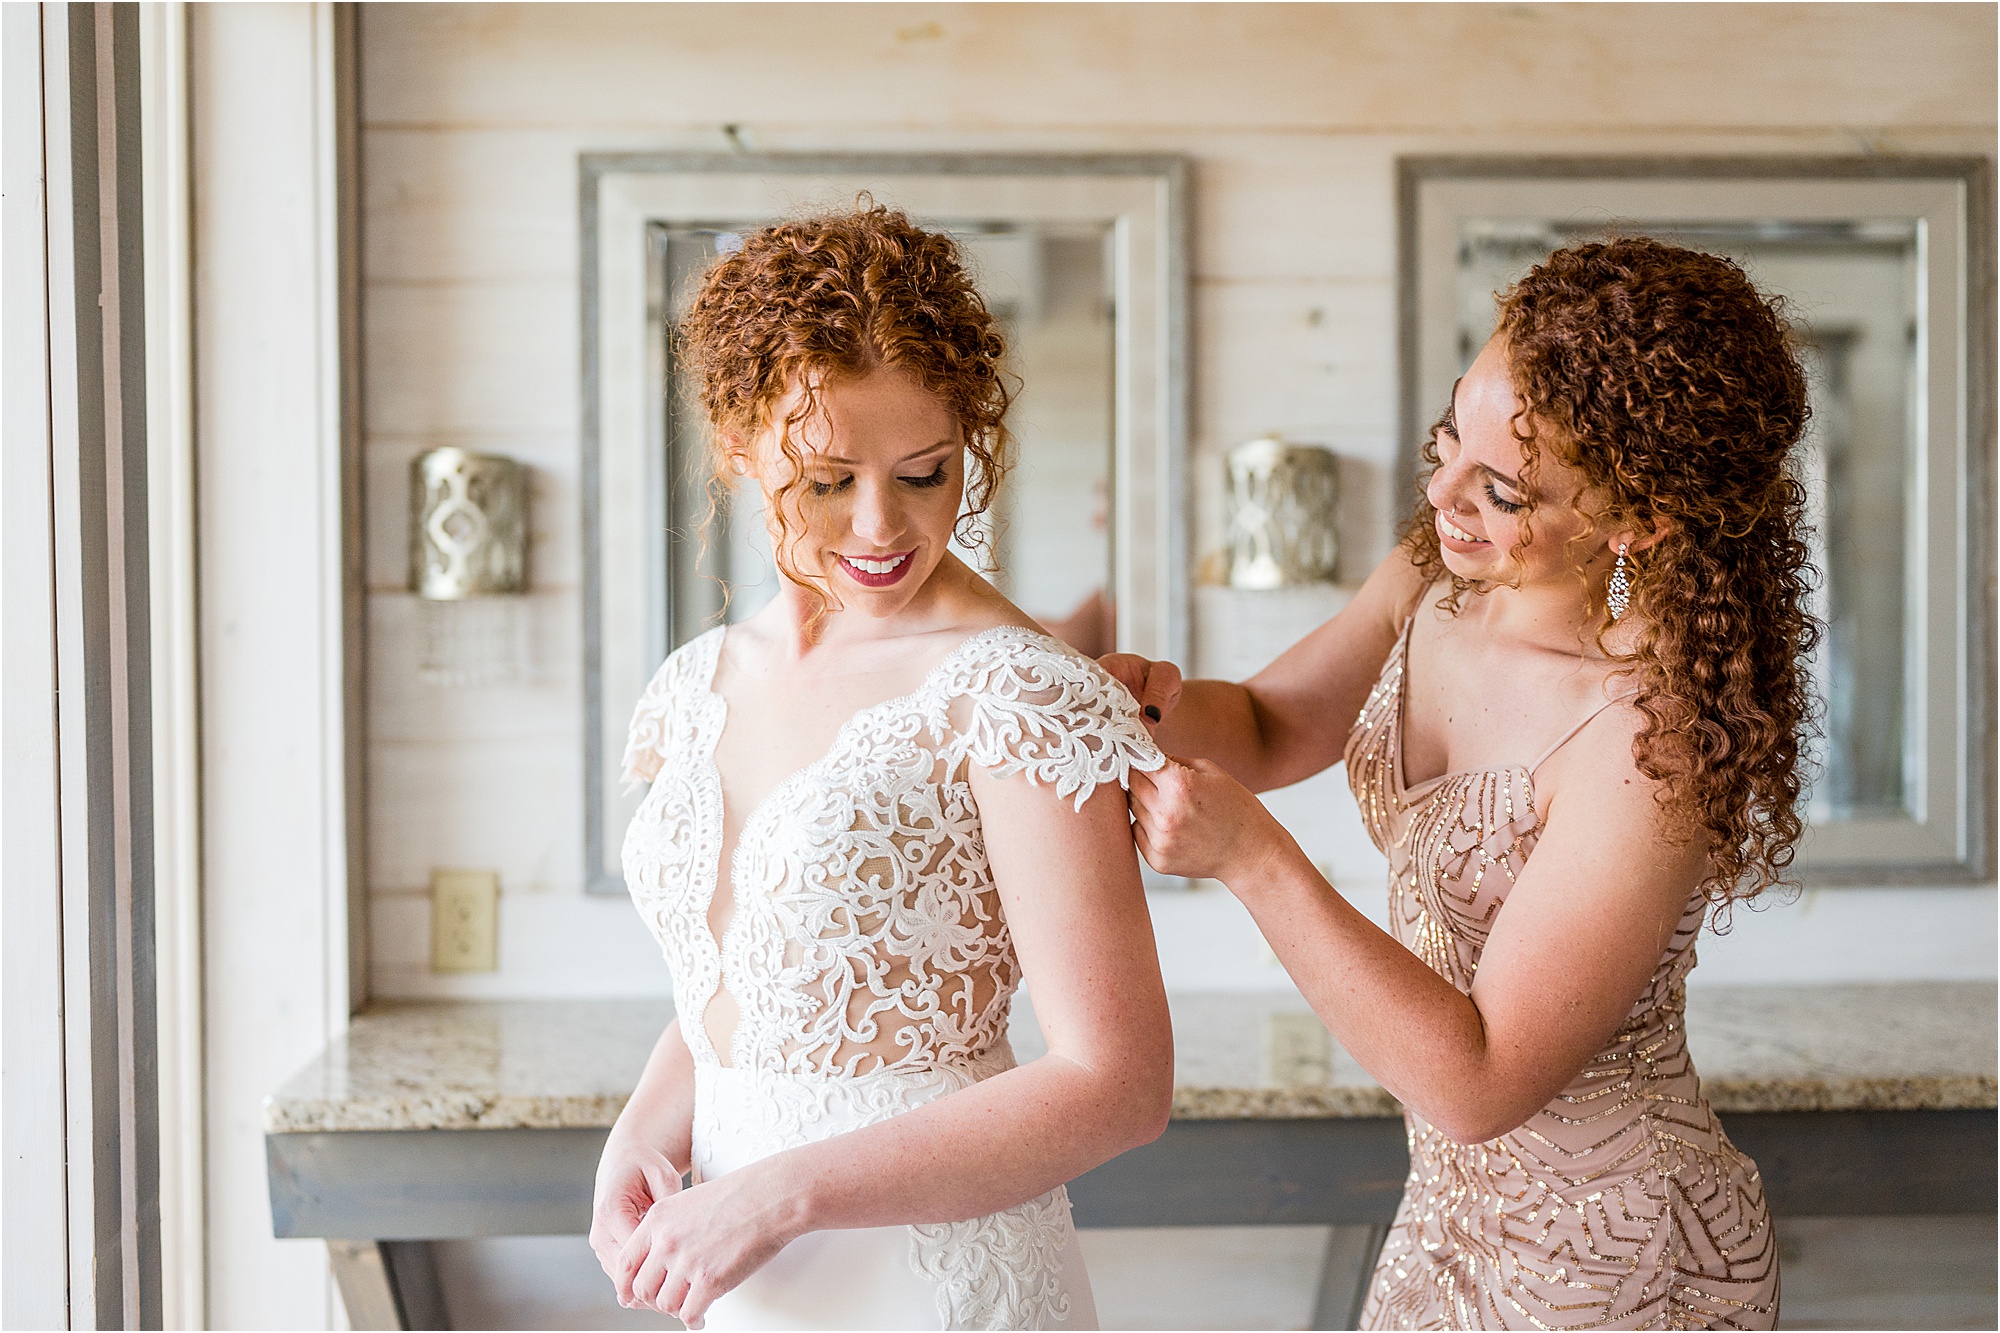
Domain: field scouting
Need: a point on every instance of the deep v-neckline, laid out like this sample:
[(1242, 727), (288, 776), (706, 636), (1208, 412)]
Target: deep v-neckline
[(732, 854), (1408, 796), (721, 703)]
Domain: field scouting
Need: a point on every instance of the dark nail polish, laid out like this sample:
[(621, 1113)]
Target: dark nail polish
[(1152, 712)]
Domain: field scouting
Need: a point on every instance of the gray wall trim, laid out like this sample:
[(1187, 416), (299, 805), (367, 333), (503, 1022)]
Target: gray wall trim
[(1978, 553), (107, 537), (601, 877), (598, 876), (1982, 438), (353, 497), (93, 805), (1178, 172), (1411, 172)]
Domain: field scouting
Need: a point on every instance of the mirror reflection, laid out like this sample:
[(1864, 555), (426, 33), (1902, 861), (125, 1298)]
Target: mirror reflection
[(1050, 286), (1853, 291)]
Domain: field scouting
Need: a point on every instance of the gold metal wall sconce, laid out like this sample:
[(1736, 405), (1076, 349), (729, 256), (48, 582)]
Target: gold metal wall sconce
[(1282, 503), (469, 564)]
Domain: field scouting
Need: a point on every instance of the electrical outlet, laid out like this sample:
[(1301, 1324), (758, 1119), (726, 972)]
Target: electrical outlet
[(1300, 1049), (465, 920)]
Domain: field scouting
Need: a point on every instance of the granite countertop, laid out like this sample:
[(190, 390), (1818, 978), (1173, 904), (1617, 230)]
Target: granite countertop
[(545, 1064)]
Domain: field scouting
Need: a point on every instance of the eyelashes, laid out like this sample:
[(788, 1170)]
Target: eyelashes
[(1504, 506), (936, 478)]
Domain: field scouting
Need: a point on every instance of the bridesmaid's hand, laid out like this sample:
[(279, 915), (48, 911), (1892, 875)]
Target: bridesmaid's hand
[(701, 1243), (1156, 685), (1190, 818)]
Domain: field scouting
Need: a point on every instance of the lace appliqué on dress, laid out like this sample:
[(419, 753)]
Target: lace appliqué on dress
[(670, 709), (1003, 1270), (1054, 716), (676, 836)]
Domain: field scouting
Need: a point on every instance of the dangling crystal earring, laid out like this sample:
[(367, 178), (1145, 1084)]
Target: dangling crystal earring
[(1618, 595)]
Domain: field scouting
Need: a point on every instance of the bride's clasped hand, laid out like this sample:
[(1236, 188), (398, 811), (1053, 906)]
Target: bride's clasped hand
[(648, 1226)]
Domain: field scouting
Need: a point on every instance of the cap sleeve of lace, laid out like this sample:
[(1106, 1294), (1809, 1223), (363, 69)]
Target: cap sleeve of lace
[(664, 700), (1025, 703)]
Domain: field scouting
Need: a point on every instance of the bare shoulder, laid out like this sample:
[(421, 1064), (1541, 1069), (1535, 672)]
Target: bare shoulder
[(1392, 592), (1595, 774), (974, 606), (1613, 849), (1004, 616)]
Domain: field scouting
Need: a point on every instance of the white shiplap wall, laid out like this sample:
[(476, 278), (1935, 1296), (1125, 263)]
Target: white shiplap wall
[(1293, 115)]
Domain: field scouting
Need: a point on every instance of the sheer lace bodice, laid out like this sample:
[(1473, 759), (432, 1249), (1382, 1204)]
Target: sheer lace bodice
[(868, 955), (867, 933)]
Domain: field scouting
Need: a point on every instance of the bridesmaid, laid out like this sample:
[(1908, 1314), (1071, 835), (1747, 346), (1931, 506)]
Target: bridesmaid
[(1570, 704)]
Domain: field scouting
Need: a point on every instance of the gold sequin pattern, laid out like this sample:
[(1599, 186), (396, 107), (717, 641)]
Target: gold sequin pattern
[(1621, 1204)]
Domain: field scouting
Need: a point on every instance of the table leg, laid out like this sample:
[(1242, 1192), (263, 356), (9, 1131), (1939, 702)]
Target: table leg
[(1344, 1272), (388, 1284)]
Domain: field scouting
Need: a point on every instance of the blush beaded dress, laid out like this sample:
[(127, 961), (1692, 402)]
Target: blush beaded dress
[(1621, 1204), (868, 957)]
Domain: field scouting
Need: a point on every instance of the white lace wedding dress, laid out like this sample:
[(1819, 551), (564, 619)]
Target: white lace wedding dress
[(868, 957)]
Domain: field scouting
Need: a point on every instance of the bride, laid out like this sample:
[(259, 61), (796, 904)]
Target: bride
[(873, 809)]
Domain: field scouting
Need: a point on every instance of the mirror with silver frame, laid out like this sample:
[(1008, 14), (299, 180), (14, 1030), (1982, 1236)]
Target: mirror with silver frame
[(1083, 262), (1873, 262)]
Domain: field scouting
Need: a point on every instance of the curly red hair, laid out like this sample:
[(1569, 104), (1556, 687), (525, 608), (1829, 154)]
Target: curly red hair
[(838, 296), (1670, 382)]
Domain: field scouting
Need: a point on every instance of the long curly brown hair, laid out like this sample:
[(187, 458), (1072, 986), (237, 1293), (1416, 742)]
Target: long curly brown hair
[(1670, 382), (837, 296)]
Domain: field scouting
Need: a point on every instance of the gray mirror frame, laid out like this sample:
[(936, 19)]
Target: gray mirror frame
[(1172, 172), (1975, 861)]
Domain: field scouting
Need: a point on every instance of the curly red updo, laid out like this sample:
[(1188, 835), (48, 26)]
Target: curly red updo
[(836, 296), (1671, 383)]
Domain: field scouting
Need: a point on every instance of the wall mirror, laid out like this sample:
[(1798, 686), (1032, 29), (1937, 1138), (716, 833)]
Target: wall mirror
[(1887, 267), (1082, 259)]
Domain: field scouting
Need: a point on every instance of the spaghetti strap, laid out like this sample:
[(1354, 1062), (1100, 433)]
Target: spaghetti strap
[(1569, 735), (1410, 616)]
